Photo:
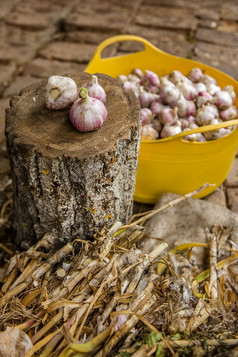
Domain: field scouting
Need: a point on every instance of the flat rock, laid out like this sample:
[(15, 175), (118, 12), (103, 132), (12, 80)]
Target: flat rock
[(112, 20), (217, 197), (18, 54), (19, 83), (43, 68), (166, 17), (229, 11), (232, 178), (187, 4), (186, 222), (232, 199), (218, 56), (7, 72), (6, 7), (68, 51), (217, 37)]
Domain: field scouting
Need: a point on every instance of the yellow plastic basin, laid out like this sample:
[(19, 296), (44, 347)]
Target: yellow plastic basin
[(172, 164)]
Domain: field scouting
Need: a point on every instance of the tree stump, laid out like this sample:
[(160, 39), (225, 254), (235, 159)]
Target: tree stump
[(64, 181)]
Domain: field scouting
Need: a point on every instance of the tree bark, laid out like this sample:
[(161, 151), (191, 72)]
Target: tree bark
[(68, 182)]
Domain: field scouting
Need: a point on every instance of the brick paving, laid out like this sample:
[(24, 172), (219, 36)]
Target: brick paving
[(39, 39)]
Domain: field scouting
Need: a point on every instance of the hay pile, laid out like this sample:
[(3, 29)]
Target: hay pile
[(107, 298)]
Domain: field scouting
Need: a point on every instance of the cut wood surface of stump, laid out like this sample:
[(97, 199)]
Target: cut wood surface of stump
[(66, 181)]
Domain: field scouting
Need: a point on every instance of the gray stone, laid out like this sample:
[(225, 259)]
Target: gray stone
[(98, 21), (208, 23), (217, 37), (185, 4), (232, 199), (218, 197), (186, 222), (30, 20), (6, 7), (93, 37), (208, 13), (18, 84), (220, 57), (38, 16), (43, 68), (229, 11), (228, 26), (7, 73), (168, 18), (18, 54), (17, 36), (68, 51), (4, 103), (232, 178), (175, 43)]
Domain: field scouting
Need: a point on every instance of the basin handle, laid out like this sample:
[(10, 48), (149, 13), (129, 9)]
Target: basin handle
[(109, 41), (201, 129)]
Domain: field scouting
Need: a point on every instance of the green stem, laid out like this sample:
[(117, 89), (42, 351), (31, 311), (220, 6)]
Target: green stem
[(83, 93)]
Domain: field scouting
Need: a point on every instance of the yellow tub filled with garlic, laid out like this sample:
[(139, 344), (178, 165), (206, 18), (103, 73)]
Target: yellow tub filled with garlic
[(189, 119)]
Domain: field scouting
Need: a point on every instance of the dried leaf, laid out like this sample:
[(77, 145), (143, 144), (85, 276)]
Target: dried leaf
[(14, 342)]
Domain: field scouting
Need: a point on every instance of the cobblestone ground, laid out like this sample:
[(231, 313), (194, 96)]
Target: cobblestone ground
[(42, 38)]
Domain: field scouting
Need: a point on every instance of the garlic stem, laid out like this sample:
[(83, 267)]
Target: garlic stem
[(54, 92), (83, 93)]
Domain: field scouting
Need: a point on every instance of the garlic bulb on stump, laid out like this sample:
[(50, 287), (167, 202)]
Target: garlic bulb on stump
[(61, 92), (94, 89), (87, 113)]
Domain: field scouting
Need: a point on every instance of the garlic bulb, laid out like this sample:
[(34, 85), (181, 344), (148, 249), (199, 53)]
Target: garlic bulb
[(61, 92), (223, 99), (195, 75), (168, 116), (229, 113), (94, 89), (87, 113), (149, 133), (217, 134), (176, 102), (176, 77), (146, 115), (170, 130)]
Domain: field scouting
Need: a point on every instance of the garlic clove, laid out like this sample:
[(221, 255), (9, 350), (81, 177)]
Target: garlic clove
[(61, 92)]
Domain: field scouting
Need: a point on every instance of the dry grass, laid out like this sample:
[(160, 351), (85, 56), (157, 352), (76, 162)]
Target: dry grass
[(108, 298)]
